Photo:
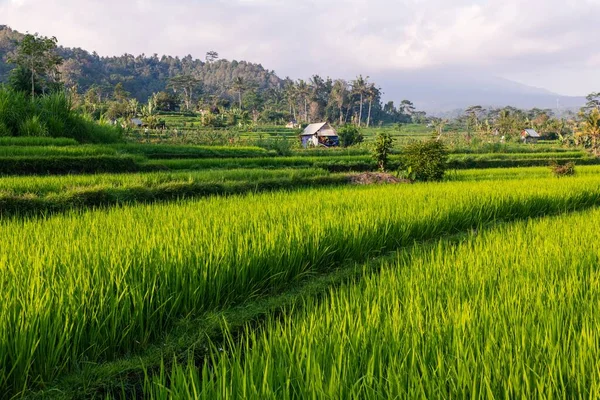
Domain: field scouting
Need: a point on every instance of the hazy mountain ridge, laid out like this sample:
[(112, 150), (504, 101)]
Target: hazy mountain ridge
[(438, 91)]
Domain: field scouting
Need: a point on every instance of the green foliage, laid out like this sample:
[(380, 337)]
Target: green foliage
[(19, 80), (427, 161), (349, 135), (382, 149), (36, 55), (50, 115), (282, 146), (33, 126), (35, 141), (4, 131)]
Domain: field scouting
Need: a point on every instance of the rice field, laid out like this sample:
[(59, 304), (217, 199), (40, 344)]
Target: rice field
[(88, 287), (506, 313)]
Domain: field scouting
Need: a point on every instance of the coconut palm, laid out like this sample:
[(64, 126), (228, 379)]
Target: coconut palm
[(360, 86), (303, 91), (339, 93), (239, 85)]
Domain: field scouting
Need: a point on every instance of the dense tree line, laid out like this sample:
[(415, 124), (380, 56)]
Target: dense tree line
[(212, 86)]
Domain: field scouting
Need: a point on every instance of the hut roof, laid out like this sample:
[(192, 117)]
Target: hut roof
[(531, 133), (313, 128)]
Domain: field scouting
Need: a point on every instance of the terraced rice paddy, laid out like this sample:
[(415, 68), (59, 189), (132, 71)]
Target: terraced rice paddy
[(505, 313), (90, 287)]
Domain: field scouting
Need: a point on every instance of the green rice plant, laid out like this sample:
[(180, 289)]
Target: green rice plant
[(47, 151), (33, 126), (505, 313), (161, 151), (26, 196), (4, 131), (93, 286), (36, 141)]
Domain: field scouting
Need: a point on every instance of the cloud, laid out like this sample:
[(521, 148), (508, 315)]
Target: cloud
[(332, 37)]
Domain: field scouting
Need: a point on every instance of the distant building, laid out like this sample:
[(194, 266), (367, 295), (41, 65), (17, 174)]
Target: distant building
[(530, 136), (137, 122), (321, 134), (292, 125)]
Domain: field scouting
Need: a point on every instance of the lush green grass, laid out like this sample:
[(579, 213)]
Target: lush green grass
[(49, 115), (36, 141), (342, 162), (159, 151), (509, 313), (513, 173), (48, 151), (23, 196), (88, 287), (76, 164)]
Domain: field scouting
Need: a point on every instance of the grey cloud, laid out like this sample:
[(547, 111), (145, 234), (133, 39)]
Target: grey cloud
[(332, 37)]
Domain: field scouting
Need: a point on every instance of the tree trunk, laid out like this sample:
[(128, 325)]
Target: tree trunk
[(360, 110), (369, 116), (341, 113), (32, 83), (306, 110), (240, 98)]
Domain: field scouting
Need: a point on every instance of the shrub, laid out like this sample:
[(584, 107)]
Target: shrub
[(427, 161), (4, 131), (559, 170), (382, 150), (33, 126), (349, 135), (49, 115)]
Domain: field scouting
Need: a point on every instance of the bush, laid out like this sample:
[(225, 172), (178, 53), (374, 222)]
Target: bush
[(559, 170), (32, 126), (349, 135), (49, 115), (4, 131), (382, 149), (426, 161)]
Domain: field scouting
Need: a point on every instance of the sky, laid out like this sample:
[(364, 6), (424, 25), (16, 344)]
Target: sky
[(550, 44)]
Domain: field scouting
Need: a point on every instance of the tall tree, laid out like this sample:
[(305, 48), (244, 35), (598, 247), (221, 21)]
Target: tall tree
[(407, 108), (239, 85), (372, 93), (188, 84), (212, 56), (360, 87), (291, 97), (339, 92), (37, 54), (303, 91), (593, 102)]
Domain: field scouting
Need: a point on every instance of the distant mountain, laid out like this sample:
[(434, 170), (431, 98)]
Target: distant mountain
[(443, 90)]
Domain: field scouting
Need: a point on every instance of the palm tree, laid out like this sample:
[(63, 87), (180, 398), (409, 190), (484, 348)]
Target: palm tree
[(590, 127), (303, 91), (239, 85), (360, 87), (372, 93), (339, 93), (291, 96)]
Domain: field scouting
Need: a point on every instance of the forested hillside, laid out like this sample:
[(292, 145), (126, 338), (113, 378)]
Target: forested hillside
[(142, 75)]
